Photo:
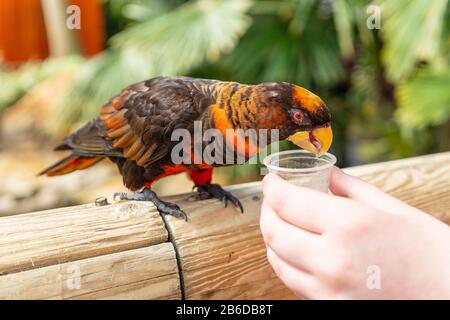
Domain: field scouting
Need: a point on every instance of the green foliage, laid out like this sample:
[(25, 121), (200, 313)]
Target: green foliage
[(281, 48), (425, 99), (98, 80), (388, 89), (169, 44), (343, 21), (182, 39), (16, 83), (412, 31), (382, 107)]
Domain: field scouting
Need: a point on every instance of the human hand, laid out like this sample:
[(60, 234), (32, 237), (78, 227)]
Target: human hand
[(359, 243)]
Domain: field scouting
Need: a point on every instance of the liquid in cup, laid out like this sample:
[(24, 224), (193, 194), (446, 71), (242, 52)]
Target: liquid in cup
[(302, 168)]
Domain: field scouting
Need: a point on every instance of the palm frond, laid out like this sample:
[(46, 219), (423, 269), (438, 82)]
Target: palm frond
[(425, 99), (412, 32), (182, 39), (170, 44), (99, 79), (302, 10), (343, 22), (270, 51)]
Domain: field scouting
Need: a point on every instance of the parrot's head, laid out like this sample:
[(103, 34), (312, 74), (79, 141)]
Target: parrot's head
[(300, 116)]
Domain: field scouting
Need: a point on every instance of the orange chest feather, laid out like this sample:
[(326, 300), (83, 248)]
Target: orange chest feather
[(223, 124)]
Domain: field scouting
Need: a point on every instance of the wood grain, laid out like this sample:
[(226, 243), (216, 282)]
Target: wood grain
[(221, 251), (423, 182), (145, 273), (120, 251), (52, 237)]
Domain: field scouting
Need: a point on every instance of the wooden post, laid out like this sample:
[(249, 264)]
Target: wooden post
[(126, 250), (113, 251), (221, 251)]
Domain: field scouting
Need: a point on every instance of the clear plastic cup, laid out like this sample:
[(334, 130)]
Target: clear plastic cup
[(302, 168)]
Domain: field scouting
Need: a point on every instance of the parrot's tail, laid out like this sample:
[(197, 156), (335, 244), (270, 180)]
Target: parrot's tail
[(70, 164)]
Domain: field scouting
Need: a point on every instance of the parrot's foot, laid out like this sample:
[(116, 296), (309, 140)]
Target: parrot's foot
[(149, 195), (216, 191)]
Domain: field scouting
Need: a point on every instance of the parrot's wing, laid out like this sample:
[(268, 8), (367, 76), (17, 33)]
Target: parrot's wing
[(140, 121), (87, 141)]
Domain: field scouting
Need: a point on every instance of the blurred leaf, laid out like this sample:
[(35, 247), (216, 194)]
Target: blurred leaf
[(425, 99), (182, 39), (412, 31), (302, 11), (144, 9), (269, 51), (16, 83), (343, 21), (170, 44), (390, 144), (100, 79), (121, 14), (323, 45)]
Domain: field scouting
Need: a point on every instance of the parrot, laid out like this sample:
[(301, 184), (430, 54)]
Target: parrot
[(134, 130)]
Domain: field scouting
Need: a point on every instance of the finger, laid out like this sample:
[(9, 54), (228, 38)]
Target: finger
[(296, 246), (305, 208), (302, 283), (344, 185)]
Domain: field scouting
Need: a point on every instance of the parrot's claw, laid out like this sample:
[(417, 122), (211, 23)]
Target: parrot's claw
[(216, 191), (149, 195)]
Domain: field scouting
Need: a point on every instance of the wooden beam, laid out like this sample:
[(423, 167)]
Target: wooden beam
[(51, 237), (126, 250), (145, 273)]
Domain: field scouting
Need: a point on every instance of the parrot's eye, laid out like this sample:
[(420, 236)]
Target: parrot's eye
[(298, 116)]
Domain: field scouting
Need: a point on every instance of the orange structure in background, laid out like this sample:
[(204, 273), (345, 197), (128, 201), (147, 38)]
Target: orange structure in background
[(92, 33), (23, 35), (22, 30)]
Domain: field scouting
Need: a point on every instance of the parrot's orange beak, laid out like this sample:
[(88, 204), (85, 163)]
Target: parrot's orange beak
[(317, 141)]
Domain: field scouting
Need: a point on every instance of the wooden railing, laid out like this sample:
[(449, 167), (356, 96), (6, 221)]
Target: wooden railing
[(127, 250)]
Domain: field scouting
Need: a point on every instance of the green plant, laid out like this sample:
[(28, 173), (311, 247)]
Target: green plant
[(387, 88)]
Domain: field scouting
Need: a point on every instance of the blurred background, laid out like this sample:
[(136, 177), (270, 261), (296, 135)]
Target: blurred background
[(381, 66)]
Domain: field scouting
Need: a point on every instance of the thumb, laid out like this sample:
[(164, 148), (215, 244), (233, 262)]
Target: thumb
[(344, 185)]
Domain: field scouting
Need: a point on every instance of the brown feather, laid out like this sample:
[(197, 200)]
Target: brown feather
[(70, 164), (117, 103), (117, 119), (115, 133), (125, 140), (108, 109), (131, 151), (146, 156)]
